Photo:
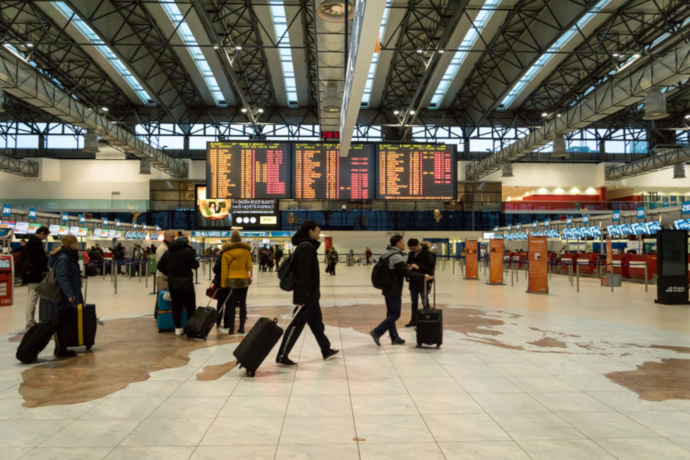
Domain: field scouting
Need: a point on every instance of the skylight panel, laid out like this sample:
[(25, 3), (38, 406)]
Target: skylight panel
[(467, 43), (283, 38), (375, 59), (546, 57), (187, 36), (92, 37)]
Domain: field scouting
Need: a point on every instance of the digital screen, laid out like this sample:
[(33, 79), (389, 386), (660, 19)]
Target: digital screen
[(54, 229), (63, 231), (212, 213), (614, 230), (673, 260), (74, 231), (33, 227), (488, 235), (416, 172), (255, 214), (576, 233), (7, 224), (111, 233), (626, 230), (21, 228), (552, 233), (251, 170), (586, 232), (322, 174), (118, 234), (639, 229), (83, 231), (682, 224), (653, 227), (5, 263), (568, 233), (596, 232), (96, 232), (330, 135)]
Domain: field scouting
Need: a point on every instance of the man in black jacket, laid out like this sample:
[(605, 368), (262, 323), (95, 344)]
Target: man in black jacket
[(393, 292), (34, 263), (178, 264), (306, 295), (419, 260)]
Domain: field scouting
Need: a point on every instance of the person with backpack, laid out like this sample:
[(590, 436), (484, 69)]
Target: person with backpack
[(31, 268), (178, 263), (389, 275), (332, 261), (236, 264), (119, 254), (419, 260), (304, 266)]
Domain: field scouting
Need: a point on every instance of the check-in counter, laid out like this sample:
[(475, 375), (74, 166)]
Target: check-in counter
[(588, 262), (637, 265), (568, 259), (519, 258), (620, 265)]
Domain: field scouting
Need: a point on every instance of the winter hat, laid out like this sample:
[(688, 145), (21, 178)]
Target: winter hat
[(235, 236)]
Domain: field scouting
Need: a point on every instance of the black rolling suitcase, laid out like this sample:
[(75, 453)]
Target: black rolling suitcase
[(429, 323), (77, 327), (258, 343), (34, 341), (203, 320)]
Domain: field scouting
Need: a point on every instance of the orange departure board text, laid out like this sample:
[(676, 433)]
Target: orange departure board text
[(247, 170), (322, 174), (416, 172)]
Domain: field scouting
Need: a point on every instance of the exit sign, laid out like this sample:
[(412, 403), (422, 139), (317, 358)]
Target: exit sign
[(330, 135)]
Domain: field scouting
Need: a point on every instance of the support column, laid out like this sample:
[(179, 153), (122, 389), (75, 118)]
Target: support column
[(41, 144), (185, 147), (467, 147), (602, 151)]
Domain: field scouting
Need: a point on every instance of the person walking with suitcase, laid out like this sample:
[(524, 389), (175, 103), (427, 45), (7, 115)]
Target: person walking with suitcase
[(178, 264), (33, 265), (236, 265), (306, 295), (65, 261), (419, 260), (393, 258)]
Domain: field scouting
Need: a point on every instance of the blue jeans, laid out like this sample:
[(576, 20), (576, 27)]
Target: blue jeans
[(414, 296), (393, 306)]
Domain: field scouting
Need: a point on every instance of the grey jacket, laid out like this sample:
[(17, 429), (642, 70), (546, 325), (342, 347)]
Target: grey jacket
[(398, 267)]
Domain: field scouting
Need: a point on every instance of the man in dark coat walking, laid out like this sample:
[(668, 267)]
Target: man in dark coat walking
[(306, 295), (33, 265)]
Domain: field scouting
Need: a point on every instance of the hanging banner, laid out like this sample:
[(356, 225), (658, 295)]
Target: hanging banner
[(32, 213), (534, 225), (547, 223), (585, 219), (117, 223), (82, 219), (105, 221), (640, 213), (471, 259), (65, 217), (495, 261), (616, 216), (6, 210), (538, 272), (568, 220)]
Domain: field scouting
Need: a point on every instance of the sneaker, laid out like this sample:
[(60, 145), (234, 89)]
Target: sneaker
[(331, 354), (287, 362), (410, 324), (224, 330), (179, 332), (376, 338), (398, 341), (65, 353)]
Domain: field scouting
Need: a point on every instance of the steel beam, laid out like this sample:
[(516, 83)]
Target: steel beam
[(25, 82), (665, 159), (18, 167), (612, 96)]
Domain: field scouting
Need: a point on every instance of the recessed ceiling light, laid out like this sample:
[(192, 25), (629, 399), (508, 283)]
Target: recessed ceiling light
[(544, 114), (30, 45), (412, 112), (558, 115), (215, 47), (636, 55), (105, 109), (616, 54), (420, 51), (238, 48), (441, 51), (687, 117), (261, 110), (244, 110), (397, 112)]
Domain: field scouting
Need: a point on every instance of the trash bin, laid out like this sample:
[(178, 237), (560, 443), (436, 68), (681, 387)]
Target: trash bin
[(350, 260)]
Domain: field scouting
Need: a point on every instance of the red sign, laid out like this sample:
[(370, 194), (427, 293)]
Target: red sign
[(6, 280), (330, 135)]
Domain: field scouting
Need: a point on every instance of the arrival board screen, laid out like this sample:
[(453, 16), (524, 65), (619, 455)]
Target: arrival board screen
[(322, 174), (416, 172), (249, 170)]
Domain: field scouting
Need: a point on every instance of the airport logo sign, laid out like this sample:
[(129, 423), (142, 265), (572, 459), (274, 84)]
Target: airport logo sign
[(640, 213), (65, 217), (568, 220), (82, 219), (6, 210), (547, 224), (685, 207), (585, 219), (534, 225), (32, 213), (616, 216)]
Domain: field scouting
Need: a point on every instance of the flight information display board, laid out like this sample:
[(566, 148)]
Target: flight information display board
[(416, 172), (322, 174), (249, 170)]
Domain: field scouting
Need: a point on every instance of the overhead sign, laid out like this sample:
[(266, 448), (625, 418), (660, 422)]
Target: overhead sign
[(685, 207), (568, 220), (32, 213), (534, 225), (547, 223), (65, 217), (585, 219), (117, 223), (82, 219), (640, 213), (6, 210), (616, 216), (518, 227), (105, 221)]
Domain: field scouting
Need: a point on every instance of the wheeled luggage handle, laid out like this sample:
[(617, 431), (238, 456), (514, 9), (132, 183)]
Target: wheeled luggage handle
[(288, 320), (426, 293)]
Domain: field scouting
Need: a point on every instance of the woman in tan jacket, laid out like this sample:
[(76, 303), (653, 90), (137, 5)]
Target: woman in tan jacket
[(236, 266)]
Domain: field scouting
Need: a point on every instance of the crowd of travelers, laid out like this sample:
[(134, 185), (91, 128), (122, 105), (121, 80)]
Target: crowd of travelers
[(176, 261)]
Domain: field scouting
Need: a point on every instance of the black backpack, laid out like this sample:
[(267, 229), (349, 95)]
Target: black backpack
[(381, 276), (286, 274)]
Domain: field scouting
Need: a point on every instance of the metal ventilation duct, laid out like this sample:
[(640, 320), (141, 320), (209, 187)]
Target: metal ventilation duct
[(610, 97), (679, 171), (330, 55), (655, 105), (26, 83)]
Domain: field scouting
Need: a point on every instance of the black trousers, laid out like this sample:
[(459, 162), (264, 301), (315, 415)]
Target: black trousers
[(309, 314), (181, 299), (237, 298), (222, 295)]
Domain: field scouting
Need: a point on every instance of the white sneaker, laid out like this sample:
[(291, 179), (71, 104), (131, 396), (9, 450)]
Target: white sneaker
[(179, 332), (224, 330)]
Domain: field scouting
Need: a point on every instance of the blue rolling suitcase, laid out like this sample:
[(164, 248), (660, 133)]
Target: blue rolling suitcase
[(165, 316)]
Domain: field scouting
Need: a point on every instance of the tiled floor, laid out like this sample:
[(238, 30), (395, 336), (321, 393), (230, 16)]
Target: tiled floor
[(495, 389)]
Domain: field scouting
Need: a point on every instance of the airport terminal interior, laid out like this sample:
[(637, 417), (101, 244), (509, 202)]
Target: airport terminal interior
[(339, 229)]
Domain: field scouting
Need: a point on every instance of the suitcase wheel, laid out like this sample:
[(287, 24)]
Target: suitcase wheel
[(438, 346), (88, 347), (419, 345), (251, 373)]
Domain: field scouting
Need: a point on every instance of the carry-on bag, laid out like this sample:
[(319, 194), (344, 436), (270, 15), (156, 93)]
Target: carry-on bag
[(77, 328), (165, 316), (34, 341), (203, 320), (259, 342), (429, 323)]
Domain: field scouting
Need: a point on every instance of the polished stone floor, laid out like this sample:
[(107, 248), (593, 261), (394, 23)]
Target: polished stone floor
[(588, 375)]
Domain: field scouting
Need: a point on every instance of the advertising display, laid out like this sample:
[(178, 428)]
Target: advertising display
[(64, 230), (538, 268), (471, 259), (577, 233), (495, 261), (672, 267), (7, 224), (586, 232), (614, 231), (33, 227), (568, 233), (416, 172), (21, 228), (6, 281), (211, 213), (255, 214), (322, 174), (252, 170)]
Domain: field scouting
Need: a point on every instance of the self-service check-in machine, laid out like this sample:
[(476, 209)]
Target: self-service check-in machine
[(6, 272)]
